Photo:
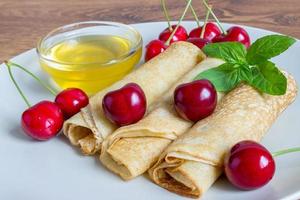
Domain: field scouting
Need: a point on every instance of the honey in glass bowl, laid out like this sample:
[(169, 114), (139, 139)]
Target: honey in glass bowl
[(90, 55)]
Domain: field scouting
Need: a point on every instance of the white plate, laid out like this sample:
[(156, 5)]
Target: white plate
[(55, 170)]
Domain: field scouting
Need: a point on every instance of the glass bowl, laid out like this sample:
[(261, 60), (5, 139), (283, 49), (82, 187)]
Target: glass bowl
[(90, 55)]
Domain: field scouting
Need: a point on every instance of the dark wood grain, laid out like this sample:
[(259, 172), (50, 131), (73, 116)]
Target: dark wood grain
[(22, 23)]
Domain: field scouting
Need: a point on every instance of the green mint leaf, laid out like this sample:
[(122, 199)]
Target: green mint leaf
[(224, 78), (231, 52), (267, 78), (268, 47), (245, 73)]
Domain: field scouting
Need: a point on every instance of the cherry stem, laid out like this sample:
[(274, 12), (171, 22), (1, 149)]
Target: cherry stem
[(16, 84), (214, 16), (47, 87), (167, 16), (204, 25), (195, 15), (180, 20), (285, 151)]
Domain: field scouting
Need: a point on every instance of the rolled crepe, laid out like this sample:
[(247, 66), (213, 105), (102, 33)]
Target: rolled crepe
[(131, 150), (193, 162), (88, 128)]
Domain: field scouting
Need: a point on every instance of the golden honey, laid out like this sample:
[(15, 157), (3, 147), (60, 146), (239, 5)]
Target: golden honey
[(90, 62)]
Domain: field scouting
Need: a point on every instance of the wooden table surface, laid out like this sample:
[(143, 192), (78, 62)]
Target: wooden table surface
[(23, 22)]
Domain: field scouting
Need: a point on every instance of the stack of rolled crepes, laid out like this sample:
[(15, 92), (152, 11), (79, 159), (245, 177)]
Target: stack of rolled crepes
[(89, 128), (193, 162), (179, 155), (132, 150)]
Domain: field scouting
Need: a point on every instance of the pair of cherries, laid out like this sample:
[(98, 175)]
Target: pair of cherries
[(212, 33), (157, 46), (193, 101), (45, 119)]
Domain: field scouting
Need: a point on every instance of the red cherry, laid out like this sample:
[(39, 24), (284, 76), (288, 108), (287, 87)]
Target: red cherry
[(199, 42), (235, 34), (126, 105), (180, 34), (43, 120), (71, 100), (195, 100), (154, 48), (249, 165), (211, 31)]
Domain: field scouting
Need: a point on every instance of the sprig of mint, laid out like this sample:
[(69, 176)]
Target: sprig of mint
[(251, 66)]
